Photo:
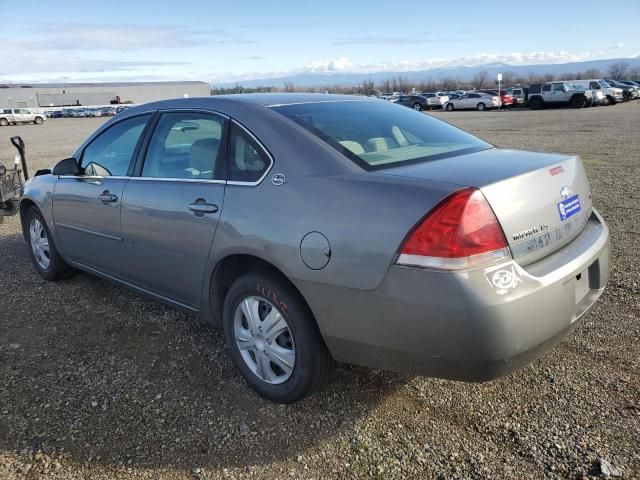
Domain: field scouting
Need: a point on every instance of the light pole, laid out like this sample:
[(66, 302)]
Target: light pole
[(499, 78)]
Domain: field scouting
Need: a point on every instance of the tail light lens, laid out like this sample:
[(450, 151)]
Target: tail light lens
[(461, 232)]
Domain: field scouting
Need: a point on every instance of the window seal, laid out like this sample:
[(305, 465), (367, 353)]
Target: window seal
[(260, 146)]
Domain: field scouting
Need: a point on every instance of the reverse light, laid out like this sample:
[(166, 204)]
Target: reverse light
[(459, 233)]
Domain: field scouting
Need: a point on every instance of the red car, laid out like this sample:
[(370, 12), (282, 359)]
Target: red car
[(505, 98)]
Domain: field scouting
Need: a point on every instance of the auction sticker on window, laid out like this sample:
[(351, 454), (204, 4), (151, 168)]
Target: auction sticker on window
[(569, 207)]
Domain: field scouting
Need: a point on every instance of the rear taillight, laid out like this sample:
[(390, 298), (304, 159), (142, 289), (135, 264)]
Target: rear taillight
[(460, 232)]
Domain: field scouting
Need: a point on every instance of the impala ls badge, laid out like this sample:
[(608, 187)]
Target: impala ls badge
[(278, 179)]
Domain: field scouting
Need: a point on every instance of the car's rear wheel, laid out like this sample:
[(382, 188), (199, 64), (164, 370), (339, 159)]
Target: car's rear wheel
[(274, 339), (43, 251), (449, 107), (535, 103), (480, 107), (417, 107), (4, 122), (38, 121)]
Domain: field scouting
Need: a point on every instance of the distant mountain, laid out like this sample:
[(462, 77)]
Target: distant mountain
[(311, 78)]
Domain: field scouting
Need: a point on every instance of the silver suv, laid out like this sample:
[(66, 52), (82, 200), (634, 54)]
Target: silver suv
[(559, 93)]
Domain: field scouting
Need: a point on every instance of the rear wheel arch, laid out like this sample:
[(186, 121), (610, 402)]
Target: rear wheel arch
[(233, 267)]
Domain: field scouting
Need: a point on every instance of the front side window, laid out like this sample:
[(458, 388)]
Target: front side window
[(111, 152), (378, 134), (186, 145), (248, 161), (558, 87)]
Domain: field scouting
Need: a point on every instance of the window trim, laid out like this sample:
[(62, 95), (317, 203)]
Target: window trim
[(136, 172), (260, 145)]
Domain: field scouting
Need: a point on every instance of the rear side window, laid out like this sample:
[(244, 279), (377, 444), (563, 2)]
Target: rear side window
[(379, 134), (110, 153), (247, 159), (546, 88), (186, 145)]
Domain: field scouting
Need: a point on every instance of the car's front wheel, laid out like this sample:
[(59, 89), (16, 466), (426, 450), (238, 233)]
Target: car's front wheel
[(449, 107), (44, 254), (274, 339), (417, 107), (38, 121)]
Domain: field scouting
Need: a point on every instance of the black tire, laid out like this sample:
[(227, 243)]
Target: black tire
[(57, 268), (481, 107), (612, 101), (38, 121), (1, 216), (313, 362), (535, 103), (417, 107), (578, 101), (4, 122), (449, 107)]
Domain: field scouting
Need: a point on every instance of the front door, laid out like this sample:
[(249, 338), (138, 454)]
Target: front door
[(86, 207), (171, 208)]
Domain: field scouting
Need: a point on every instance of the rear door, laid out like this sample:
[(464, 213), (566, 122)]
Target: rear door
[(172, 204), (86, 208)]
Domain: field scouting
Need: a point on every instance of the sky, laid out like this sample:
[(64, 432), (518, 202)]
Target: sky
[(213, 41)]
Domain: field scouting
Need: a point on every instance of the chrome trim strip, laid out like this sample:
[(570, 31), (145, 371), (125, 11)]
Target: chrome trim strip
[(178, 180), (315, 101), (132, 286), (266, 172), (90, 232)]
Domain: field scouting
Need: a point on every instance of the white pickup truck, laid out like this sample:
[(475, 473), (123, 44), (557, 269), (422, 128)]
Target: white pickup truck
[(13, 116)]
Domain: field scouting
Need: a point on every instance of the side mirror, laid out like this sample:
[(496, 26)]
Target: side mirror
[(68, 166)]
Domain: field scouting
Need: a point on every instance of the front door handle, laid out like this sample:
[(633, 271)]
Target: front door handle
[(107, 197), (200, 207)]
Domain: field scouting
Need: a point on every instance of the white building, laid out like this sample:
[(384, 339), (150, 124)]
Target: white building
[(47, 95)]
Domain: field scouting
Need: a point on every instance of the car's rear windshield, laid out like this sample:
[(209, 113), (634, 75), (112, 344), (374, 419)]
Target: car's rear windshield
[(378, 134)]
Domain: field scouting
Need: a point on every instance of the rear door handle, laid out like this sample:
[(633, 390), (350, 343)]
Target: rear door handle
[(200, 207), (107, 197)]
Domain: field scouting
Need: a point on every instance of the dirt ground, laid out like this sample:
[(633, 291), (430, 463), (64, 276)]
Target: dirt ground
[(97, 382)]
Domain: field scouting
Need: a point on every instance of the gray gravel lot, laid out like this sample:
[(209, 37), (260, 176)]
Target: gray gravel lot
[(97, 382)]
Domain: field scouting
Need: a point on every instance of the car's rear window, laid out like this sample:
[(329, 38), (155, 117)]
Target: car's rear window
[(377, 134)]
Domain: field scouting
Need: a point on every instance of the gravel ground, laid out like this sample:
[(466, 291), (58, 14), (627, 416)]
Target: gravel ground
[(97, 382)]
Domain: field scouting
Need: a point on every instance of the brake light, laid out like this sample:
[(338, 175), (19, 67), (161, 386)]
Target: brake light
[(460, 232)]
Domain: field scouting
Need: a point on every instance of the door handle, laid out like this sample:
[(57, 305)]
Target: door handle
[(200, 207), (107, 197)]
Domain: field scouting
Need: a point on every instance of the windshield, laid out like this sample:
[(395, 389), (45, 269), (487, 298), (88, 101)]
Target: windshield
[(604, 84), (377, 135)]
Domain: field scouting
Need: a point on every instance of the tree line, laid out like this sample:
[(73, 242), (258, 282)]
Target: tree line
[(480, 80)]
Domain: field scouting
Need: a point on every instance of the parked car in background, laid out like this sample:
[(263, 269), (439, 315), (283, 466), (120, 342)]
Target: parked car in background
[(518, 94), (434, 100), (54, 114), (472, 101), (108, 111), (506, 99), (558, 94), (629, 92), (417, 102), (78, 113), (612, 94), (441, 255), (13, 116)]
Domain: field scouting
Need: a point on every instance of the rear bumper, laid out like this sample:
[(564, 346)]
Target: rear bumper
[(459, 325)]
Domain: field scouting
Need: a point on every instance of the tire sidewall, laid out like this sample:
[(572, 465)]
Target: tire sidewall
[(301, 325), (481, 107), (57, 266)]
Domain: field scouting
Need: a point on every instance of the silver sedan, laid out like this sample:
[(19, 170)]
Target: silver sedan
[(321, 228)]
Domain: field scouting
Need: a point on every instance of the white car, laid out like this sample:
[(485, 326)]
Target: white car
[(435, 100), (78, 113), (612, 94), (472, 101)]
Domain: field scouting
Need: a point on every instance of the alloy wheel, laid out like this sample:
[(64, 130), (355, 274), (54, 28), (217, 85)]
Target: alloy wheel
[(264, 340), (39, 243)]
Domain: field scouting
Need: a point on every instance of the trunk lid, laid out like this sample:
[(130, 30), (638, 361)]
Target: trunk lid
[(542, 201)]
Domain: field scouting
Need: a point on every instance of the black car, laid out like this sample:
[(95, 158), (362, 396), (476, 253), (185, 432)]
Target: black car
[(413, 101)]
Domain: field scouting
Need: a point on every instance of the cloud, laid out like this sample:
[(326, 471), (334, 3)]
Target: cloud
[(616, 46), (122, 37), (424, 37)]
